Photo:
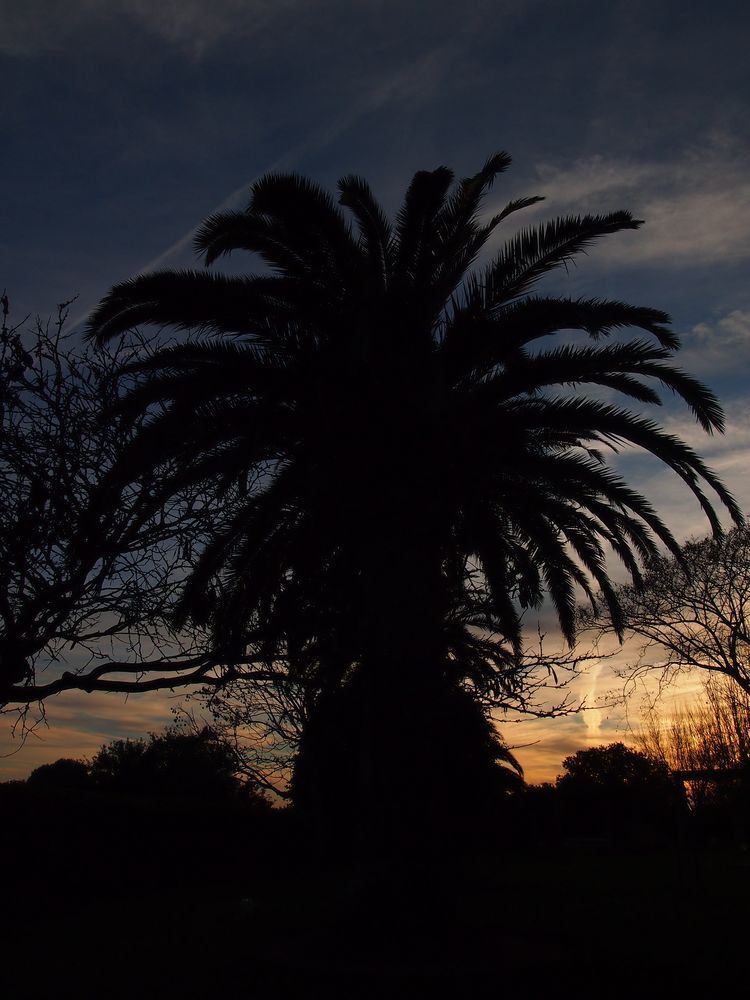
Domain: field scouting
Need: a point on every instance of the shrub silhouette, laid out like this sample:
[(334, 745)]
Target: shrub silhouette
[(64, 774), (194, 764), (613, 791)]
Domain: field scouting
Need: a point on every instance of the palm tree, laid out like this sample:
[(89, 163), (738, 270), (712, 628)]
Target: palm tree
[(420, 464)]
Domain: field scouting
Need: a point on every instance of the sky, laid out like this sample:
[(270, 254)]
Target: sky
[(125, 123)]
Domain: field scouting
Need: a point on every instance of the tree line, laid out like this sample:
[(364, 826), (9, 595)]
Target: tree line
[(610, 796)]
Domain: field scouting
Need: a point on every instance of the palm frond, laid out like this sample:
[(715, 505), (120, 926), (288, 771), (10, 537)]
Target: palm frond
[(393, 418), (307, 221), (459, 235), (476, 341), (186, 300), (535, 252), (226, 232), (375, 230), (414, 240), (587, 416)]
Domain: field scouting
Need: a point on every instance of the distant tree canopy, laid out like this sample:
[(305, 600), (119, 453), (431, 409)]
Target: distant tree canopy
[(61, 775), (186, 761), (611, 767), (619, 793), (194, 763)]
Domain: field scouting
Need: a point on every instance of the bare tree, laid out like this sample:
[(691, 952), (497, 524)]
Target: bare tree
[(692, 612), (263, 722), (704, 741), (89, 573)]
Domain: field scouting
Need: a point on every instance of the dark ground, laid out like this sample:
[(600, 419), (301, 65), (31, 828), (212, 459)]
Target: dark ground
[(584, 923), (122, 901)]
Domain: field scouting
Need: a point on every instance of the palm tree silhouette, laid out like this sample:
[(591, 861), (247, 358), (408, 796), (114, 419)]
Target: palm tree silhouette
[(420, 464)]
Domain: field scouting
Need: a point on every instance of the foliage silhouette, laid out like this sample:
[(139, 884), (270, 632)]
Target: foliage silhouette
[(417, 469), (265, 720), (186, 762), (610, 766), (62, 775), (614, 791)]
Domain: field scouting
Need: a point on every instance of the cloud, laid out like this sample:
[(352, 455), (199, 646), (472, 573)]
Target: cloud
[(200, 24), (718, 448), (195, 27), (38, 26), (723, 345), (696, 205), (726, 454), (541, 745)]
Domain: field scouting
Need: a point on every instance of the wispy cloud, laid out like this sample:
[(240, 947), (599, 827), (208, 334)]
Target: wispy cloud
[(696, 205), (414, 82), (726, 454), (721, 346), (199, 24), (79, 724), (194, 25), (197, 27)]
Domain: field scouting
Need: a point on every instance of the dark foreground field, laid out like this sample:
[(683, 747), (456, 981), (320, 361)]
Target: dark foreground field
[(122, 902)]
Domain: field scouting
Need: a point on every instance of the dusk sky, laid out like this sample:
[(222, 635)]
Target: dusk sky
[(126, 122)]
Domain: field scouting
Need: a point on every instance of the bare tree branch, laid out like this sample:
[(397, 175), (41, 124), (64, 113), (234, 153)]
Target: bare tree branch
[(88, 585), (692, 612)]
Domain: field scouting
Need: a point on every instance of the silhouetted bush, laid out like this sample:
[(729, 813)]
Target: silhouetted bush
[(64, 774), (189, 763), (614, 792), (153, 814), (535, 817)]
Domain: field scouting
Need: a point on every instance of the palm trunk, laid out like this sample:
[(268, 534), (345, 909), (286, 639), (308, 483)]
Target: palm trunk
[(402, 675)]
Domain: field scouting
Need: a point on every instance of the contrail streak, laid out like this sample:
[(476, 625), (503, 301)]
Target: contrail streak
[(319, 140), (409, 81)]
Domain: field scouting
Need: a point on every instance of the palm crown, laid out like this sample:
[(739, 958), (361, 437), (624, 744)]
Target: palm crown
[(418, 469)]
